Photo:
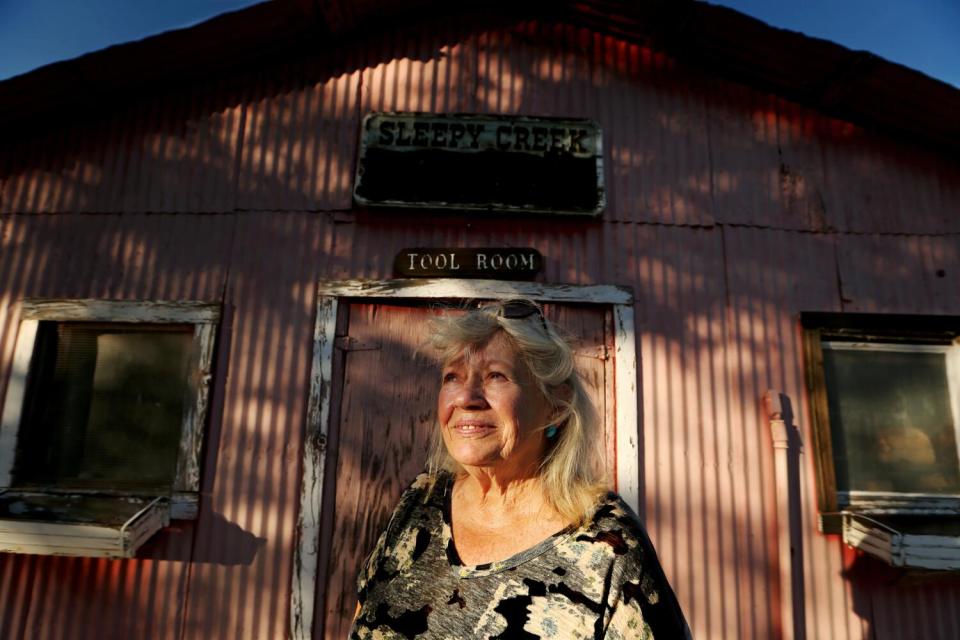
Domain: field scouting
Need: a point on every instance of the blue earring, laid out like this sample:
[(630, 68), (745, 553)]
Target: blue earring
[(551, 432)]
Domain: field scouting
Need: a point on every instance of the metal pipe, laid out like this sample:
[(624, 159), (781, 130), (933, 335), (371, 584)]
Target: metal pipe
[(781, 447)]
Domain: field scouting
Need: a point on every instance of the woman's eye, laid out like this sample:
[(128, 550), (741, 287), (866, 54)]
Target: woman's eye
[(449, 377), (496, 375)]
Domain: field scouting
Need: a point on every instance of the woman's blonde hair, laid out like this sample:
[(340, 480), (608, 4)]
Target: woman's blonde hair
[(570, 471)]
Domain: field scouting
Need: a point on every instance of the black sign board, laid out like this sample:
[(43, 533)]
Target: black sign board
[(546, 165), (510, 264)]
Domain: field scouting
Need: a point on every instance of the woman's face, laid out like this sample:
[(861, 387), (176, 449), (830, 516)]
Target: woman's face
[(491, 412)]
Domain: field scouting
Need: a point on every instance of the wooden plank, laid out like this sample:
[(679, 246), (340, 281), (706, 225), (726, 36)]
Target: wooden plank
[(78, 544), (885, 347), (449, 288), (862, 529), (609, 398), (187, 476), (50, 538), (148, 311), (853, 536), (917, 541), (387, 417), (150, 522), (881, 551), (883, 326), (629, 429), (880, 503), (184, 506), (932, 563), (36, 548), (306, 553), (941, 553), (953, 384), (922, 551), (13, 400), (820, 418), (330, 498), (90, 531), (866, 540)]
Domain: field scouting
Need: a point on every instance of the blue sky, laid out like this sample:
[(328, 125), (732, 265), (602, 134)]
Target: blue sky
[(37, 32), (921, 34)]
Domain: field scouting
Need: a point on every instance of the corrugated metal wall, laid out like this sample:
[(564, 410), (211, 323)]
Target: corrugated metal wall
[(730, 211), (107, 256)]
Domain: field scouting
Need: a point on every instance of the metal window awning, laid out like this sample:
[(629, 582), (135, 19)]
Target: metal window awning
[(902, 545), (79, 525)]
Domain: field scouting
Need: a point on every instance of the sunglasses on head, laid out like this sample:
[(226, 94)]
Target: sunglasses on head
[(518, 310)]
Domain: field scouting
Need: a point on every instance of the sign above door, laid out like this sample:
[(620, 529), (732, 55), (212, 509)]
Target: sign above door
[(496, 263), (487, 163)]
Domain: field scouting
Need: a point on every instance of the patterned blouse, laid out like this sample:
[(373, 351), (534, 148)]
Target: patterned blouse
[(601, 580)]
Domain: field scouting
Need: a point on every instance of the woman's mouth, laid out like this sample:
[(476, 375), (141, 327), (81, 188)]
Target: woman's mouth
[(472, 429)]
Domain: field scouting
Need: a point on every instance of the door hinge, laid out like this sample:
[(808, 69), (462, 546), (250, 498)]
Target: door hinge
[(599, 352), (346, 343)]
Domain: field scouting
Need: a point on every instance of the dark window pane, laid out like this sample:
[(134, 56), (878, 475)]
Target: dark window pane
[(105, 406), (891, 422)]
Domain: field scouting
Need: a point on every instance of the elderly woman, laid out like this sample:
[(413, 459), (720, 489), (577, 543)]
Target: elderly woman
[(510, 533)]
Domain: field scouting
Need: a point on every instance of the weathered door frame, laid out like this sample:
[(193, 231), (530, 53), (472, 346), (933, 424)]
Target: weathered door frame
[(329, 293)]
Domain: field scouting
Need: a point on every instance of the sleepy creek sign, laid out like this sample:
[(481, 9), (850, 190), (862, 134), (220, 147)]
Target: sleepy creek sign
[(512, 264), (545, 165)]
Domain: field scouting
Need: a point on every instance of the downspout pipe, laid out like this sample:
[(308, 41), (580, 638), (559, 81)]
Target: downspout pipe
[(781, 446)]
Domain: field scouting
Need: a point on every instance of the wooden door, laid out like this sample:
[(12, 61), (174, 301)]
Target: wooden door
[(383, 410)]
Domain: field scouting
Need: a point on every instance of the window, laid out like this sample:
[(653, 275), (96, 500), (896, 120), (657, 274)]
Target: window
[(885, 399), (102, 424)]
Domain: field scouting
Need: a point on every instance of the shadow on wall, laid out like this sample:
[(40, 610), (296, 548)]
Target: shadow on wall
[(897, 601), (236, 546)]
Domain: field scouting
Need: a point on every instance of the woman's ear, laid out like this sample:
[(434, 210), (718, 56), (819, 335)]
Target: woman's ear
[(562, 395)]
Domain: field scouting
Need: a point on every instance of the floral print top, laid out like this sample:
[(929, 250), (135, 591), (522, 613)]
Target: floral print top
[(601, 580)]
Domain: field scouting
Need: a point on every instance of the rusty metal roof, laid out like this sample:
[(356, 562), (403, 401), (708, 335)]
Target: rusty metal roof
[(853, 85)]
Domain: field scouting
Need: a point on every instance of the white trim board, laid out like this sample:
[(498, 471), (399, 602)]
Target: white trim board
[(13, 400), (448, 288), (317, 428), (306, 556), (148, 311)]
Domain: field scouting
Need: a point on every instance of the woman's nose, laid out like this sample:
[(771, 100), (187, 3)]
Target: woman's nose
[(471, 393)]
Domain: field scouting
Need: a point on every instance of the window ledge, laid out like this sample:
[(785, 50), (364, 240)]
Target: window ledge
[(79, 525), (905, 544)]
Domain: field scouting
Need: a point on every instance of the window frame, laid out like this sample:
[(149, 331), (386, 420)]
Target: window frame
[(182, 500), (899, 332)]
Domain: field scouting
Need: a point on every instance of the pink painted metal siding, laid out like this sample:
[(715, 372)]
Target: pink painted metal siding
[(299, 135), (766, 291), (235, 561), (884, 186), (109, 256), (240, 571), (708, 527), (655, 128), (730, 211), (430, 68), (173, 153), (916, 273)]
